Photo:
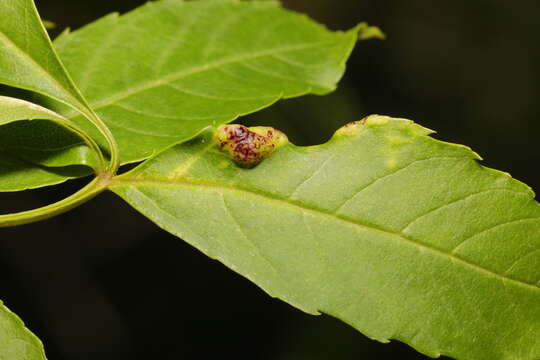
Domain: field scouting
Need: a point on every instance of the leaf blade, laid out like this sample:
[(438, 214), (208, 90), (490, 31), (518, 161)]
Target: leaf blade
[(190, 73), (16, 174), (36, 153), (28, 59), (288, 230), (16, 341)]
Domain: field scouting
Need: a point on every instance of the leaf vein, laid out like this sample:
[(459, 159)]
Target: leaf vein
[(159, 208), (456, 248), (223, 27), (184, 167), (510, 268), (168, 52), (217, 188), (113, 123), (196, 70), (396, 171), (464, 198), (213, 97), (159, 116), (244, 235), (268, 73), (295, 63), (312, 175)]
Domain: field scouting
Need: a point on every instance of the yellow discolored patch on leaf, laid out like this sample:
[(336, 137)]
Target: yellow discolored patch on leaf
[(354, 127), (350, 128)]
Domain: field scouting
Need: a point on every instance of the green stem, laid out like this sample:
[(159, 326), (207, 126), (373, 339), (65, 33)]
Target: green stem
[(114, 163), (91, 115), (95, 187), (91, 144)]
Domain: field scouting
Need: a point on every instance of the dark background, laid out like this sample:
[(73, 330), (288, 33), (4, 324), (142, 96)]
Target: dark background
[(102, 282)]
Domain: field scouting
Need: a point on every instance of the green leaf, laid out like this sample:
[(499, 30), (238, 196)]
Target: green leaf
[(17, 174), (16, 341), (28, 60), (45, 143), (163, 72), (12, 110), (399, 235), (39, 153)]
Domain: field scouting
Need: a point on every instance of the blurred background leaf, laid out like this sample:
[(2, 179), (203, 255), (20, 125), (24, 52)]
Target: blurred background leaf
[(466, 69)]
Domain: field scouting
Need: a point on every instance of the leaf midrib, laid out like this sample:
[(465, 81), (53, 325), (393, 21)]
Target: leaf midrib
[(193, 71), (125, 181)]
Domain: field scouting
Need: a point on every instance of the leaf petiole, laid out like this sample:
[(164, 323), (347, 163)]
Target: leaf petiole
[(92, 189), (102, 165), (114, 163)]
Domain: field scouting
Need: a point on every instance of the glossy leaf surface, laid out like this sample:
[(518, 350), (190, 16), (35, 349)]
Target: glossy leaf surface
[(16, 341), (40, 152), (28, 60), (163, 72), (398, 234)]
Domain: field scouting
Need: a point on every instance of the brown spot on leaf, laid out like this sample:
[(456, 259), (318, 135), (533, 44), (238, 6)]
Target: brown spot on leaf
[(249, 146)]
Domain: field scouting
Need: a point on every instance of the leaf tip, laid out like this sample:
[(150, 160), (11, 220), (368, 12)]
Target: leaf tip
[(366, 32), (249, 146)]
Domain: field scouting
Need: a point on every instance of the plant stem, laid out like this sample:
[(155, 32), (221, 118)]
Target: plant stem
[(114, 163), (95, 187), (104, 173), (102, 166)]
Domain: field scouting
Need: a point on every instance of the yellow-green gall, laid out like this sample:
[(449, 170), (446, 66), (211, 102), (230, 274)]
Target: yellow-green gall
[(249, 146)]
